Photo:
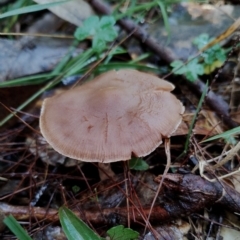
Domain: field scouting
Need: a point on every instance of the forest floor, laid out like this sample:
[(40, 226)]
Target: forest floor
[(186, 188)]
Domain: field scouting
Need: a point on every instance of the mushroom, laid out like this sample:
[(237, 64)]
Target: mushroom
[(116, 115)]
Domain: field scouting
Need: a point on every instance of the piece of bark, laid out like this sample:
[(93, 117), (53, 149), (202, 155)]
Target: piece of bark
[(194, 193)]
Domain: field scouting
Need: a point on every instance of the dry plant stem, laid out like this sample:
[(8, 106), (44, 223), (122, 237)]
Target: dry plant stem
[(127, 185), (229, 156), (167, 151), (203, 164), (37, 35), (214, 101)]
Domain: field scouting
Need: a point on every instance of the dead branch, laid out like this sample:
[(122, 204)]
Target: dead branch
[(192, 193)]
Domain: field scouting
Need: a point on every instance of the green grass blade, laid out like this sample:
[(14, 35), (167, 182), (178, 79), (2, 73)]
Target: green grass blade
[(132, 10), (120, 65), (195, 116), (224, 135), (75, 228), (32, 8), (81, 62), (193, 121), (165, 18), (30, 80), (61, 65), (76, 69), (16, 228)]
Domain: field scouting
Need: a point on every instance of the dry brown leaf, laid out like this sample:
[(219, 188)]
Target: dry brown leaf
[(206, 124), (227, 232), (209, 12), (75, 11)]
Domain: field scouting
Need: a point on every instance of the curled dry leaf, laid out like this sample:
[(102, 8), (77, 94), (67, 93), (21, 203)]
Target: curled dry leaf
[(74, 12)]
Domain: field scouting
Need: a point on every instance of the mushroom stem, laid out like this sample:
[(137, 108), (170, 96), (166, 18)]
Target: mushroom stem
[(105, 171)]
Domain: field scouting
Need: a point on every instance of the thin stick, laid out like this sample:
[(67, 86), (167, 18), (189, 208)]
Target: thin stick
[(229, 156), (127, 184), (168, 154), (15, 114)]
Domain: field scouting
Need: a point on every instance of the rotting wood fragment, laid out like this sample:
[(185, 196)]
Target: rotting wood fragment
[(193, 193)]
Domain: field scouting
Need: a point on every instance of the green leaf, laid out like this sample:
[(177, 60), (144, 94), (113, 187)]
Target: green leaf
[(121, 233), (194, 69), (178, 67), (106, 22), (16, 228), (165, 18), (108, 34), (75, 189), (209, 60), (224, 135), (201, 40), (98, 44), (88, 28), (221, 55), (101, 30), (32, 8), (106, 28), (213, 57), (191, 69), (75, 228), (138, 164)]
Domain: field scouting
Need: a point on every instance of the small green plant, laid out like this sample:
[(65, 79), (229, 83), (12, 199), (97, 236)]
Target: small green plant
[(120, 232), (206, 63), (101, 30), (138, 164), (75, 189), (191, 70), (75, 228), (211, 58)]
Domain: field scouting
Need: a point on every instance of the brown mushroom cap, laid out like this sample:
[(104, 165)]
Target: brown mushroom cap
[(108, 119)]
